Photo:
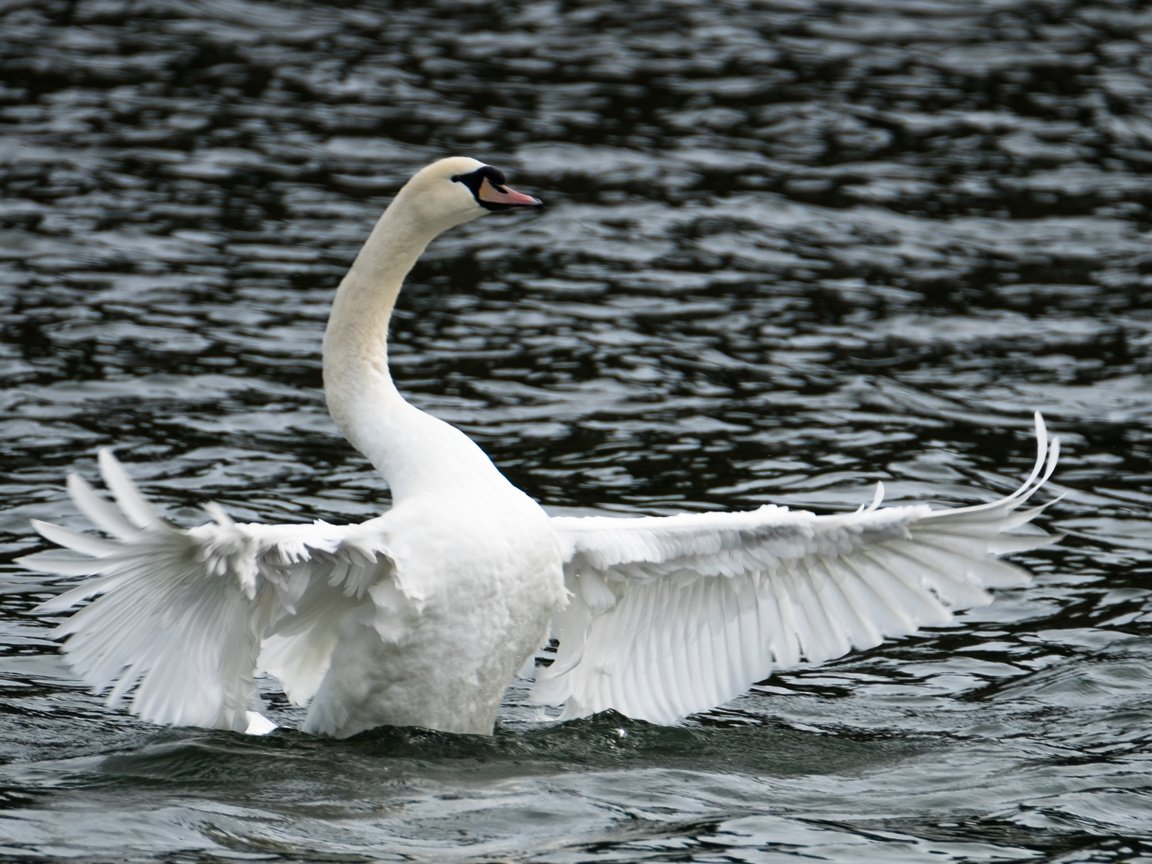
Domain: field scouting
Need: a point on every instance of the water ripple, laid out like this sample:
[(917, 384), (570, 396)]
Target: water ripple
[(788, 250)]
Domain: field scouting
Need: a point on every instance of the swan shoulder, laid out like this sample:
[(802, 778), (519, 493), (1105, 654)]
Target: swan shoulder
[(672, 615), (184, 618)]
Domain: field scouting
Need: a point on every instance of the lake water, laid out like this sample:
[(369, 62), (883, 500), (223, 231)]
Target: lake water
[(790, 248)]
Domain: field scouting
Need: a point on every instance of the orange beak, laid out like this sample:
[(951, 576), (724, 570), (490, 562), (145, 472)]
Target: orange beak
[(502, 196)]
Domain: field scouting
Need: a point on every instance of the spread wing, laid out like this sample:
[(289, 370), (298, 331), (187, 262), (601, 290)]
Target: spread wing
[(673, 615), (184, 619)]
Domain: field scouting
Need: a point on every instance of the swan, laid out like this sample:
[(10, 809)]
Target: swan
[(422, 616)]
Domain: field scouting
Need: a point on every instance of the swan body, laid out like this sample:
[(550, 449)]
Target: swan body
[(423, 616)]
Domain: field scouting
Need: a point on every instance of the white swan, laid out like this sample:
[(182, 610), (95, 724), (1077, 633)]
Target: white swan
[(422, 616)]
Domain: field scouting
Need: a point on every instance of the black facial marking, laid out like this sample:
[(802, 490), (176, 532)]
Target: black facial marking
[(473, 179)]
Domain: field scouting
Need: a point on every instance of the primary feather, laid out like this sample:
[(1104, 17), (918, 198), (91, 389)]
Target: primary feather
[(672, 615), (182, 615)]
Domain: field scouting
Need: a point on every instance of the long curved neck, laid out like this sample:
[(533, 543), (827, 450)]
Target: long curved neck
[(414, 451), (357, 330), (361, 396)]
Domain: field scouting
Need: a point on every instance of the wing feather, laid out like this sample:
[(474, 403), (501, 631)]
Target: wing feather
[(841, 616), (180, 617), (792, 633), (133, 505), (104, 515), (677, 614)]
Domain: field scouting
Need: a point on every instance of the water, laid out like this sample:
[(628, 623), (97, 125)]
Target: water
[(790, 249)]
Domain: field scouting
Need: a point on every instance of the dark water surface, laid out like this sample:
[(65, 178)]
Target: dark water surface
[(790, 248)]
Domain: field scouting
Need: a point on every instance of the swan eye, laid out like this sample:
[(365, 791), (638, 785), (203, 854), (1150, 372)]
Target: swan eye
[(474, 179), (489, 187)]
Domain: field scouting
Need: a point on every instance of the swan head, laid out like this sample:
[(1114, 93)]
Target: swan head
[(456, 190)]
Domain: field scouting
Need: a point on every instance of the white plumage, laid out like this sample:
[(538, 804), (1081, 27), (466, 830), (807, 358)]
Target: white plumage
[(423, 615), (677, 614)]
